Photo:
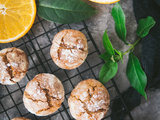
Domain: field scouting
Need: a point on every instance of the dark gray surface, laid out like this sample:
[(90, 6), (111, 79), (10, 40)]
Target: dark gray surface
[(149, 109)]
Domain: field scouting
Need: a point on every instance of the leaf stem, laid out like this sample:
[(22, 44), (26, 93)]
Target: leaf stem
[(132, 46)]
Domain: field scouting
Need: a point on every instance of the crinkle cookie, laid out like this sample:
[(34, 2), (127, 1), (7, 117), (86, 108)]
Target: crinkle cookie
[(13, 65), (69, 49), (43, 95), (89, 100), (20, 118)]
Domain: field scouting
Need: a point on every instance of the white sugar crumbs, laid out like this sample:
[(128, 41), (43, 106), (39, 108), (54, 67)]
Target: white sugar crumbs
[(14, 64), (8, 64)]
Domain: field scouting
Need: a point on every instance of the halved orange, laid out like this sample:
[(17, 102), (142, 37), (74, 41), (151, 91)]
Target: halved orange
[(105, 1), (16, 19)]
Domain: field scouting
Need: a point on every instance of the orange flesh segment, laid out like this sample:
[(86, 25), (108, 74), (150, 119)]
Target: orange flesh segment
[(16, 18)]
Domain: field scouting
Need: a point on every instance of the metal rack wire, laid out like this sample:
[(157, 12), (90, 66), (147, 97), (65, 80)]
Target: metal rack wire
[(37, 45)]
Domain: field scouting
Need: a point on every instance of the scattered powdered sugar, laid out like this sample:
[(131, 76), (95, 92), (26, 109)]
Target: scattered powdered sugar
[(35, 95), (56, 45), (95, 96), (68, 55), (93, 105), (85, 94), (99, 104), (14, 64), (59, 96), (8, 64), (70, 58), (93, 117), (4, 73), (81, 107), (38, 91), (79, 46)]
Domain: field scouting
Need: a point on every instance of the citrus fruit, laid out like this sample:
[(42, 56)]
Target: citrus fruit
[(16, 18), (105, 1)]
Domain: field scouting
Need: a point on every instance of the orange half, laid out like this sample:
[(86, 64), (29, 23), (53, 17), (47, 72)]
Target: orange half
[(16, 19), (105, 1)]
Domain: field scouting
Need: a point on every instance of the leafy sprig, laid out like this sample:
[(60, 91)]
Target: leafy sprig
[(135, 73)]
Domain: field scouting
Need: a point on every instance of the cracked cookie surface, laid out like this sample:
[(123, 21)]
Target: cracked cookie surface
[(89, 100), (69, 49), (43, 95), (13, 65), (20, 118)]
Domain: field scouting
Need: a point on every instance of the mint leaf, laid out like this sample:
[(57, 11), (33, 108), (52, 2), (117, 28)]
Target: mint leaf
[(108, 71), (106, 57), (136, 75), (107, 44), (144, 25), (119, 19), (64, 11)]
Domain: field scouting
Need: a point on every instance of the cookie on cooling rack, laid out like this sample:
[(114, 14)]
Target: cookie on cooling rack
[(20, 118), (89, 100), (43, 95), (69, 49), (13, 65)]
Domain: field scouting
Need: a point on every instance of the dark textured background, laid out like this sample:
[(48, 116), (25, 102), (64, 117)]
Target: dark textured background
[(150, 53), (148, 109)]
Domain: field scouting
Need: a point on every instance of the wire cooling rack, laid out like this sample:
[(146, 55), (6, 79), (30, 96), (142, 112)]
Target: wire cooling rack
[(36, 43)]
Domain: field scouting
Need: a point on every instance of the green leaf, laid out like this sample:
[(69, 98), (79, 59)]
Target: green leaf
[(119, 19), (144, 25), (120, 54), (107, 44), (136, 75), (106, 56), (108, 71), (64, 11)]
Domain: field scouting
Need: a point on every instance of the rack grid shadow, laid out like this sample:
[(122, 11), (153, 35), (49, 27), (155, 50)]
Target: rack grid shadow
[(36, 43)]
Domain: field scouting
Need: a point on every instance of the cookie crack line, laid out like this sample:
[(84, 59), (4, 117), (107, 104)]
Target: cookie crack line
[(31, 98), (65, 46), (47, 92), (39, 111), (28, 96), (9, 69), (94, 87), (85, 108), (59, 49), (22, 53), (48, 99), (34, 100)]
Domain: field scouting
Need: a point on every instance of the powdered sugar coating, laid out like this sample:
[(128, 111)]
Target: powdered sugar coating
[(43, 95), (89, 100), (13, 65), (69, 49)]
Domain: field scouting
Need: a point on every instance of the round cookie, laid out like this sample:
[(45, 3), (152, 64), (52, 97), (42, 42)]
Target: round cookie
[(13, 65), (69, 49), (89, 100), (43, 95), (20, 118)]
